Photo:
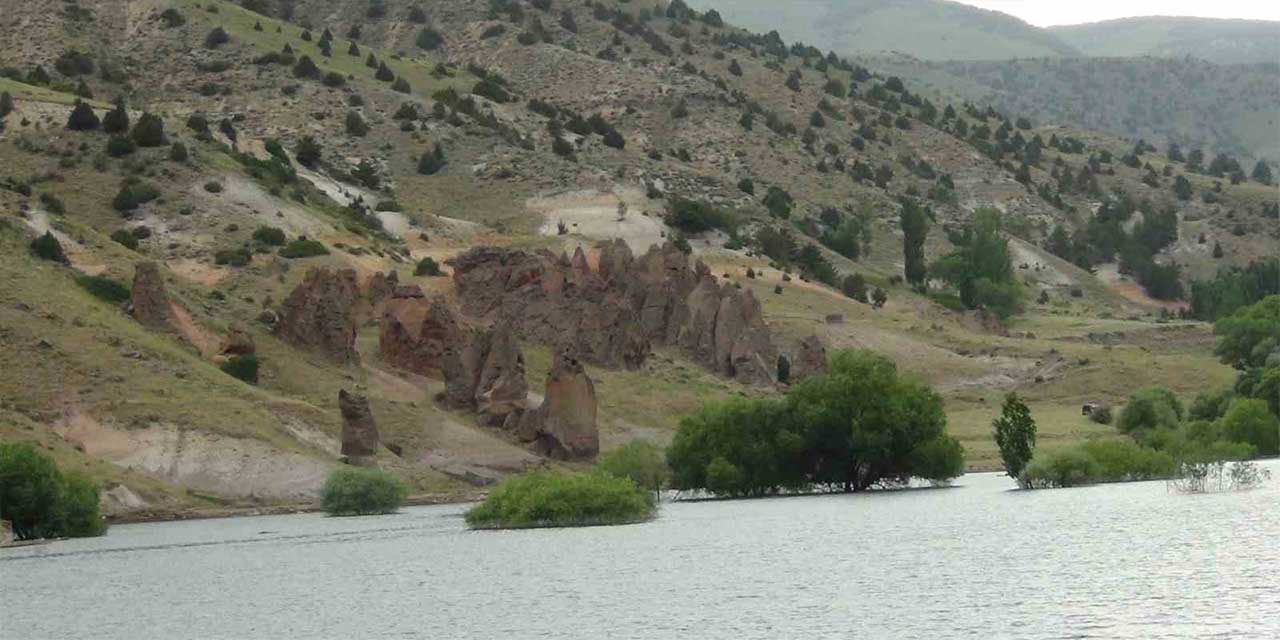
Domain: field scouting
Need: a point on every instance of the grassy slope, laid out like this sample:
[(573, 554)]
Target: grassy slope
[(1222, 41)]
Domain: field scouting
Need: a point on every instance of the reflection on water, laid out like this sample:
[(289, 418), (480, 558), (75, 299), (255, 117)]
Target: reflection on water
[(976, 561)]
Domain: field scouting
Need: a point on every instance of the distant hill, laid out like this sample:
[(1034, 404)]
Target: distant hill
[(1222, 41), (926, 29), (1197, 104)]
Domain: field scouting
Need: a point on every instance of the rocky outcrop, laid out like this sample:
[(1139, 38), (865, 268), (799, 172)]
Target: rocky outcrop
[(485, 373), (238, 342), (564, 427), (614, 312), (415, 334), (320, 314), (149, 301), (359, 432), (810, 359), (380, 288)]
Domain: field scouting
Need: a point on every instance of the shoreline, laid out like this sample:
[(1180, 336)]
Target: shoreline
[(277, 509)]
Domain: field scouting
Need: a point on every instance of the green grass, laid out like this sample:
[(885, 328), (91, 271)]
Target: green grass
[(32, 93)]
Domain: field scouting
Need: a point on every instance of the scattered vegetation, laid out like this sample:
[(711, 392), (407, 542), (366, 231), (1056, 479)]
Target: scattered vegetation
[(547, 499)]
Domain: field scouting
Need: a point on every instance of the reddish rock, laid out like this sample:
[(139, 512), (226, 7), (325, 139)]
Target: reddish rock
[(239, 342), (359, 432), (564, 427), (612, 314), (320, 314), (486, 374), (414, 334), (149, 302)]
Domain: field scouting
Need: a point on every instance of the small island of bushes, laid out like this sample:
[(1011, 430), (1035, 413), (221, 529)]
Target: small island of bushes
[(550, 499), (357, 491)]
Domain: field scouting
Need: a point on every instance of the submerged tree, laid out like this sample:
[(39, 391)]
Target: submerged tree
[(1015, 435)]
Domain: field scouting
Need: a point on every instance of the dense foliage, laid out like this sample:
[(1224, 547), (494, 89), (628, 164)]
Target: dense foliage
[(641, 461), (42, 502), (981, 268), (1015, 435), (546, 499), (858, 427), (357, 491)]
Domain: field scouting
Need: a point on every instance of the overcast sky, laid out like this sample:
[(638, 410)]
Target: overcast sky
[(1045, 13)]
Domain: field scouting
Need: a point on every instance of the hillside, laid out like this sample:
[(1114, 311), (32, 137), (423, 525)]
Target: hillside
[(1230, 109), (543, 126), (926, 29), (1218, 41)]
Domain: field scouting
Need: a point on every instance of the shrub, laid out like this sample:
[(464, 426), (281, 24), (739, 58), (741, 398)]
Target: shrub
[(233, 257), (543, 499), (334, 79), (1015, 435), (117, 119), (216, 38), (272, 236), (641, 461), (242, 367), (1060, 469), (40, 501), (47, 247), (303, 248), (427, 267), (123, 237), (401, 85), (695, 216), (1251, 421), (149, 131), (1150, 409), (1101, 414), (356, 491), (306, 68), (432, 162), (308, 151), (356, 125), (120, 146), (104, 288), (178, 152), (213, 186), (429, 39)]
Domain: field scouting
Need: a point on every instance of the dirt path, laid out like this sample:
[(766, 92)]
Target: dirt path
[(595, 215)]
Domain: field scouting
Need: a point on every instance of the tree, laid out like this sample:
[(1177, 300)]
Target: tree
[(1251, 421), (308, 152), (432, 161), (981, 267), (1261, 170), (429, 39), (6, 104), (855, 287), (149, 131), (1248, 337), (778, 202), (42, 502), (641, 461), (734, 67), (82, 117), (1015, 435), (306, 68), (1182, 188), (879, 298), (216, 38), (1148, 409), (117, 119), (384, 73), (915, 229)]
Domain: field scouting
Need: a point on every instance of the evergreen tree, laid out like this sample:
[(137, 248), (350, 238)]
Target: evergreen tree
[(82, 117), (915, 229), (308, 152), (356, 125), (306, 68), (1182, 188), (735, 68), (117, 119), (384, 73), (149, 131), (1261, 170), (432, 162), (6, 104), (354, 49)]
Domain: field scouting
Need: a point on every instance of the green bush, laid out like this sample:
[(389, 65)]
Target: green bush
[(104, 288), (243, 368), (1250, 421), (120, 146), (692, 216), (1151, 409), (238, 257), (1061, 469), (47, 247), (1125, 461), (544, 499), (303, 248), (357, 491), (639, 460), (427, 267), (271, 236), (40, 501), (125, 238), (1101, 414)]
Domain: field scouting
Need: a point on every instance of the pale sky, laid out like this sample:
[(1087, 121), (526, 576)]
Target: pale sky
[(1044, 13)]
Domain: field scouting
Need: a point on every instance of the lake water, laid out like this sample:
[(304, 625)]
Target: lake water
[(974, 561)]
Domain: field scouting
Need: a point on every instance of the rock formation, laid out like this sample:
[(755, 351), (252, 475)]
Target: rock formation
[(320, 314), (359, 432), (613, 313), (239, 342), (149, 301), (485, 373), (810, 359), (564, 426), (415, 334)]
